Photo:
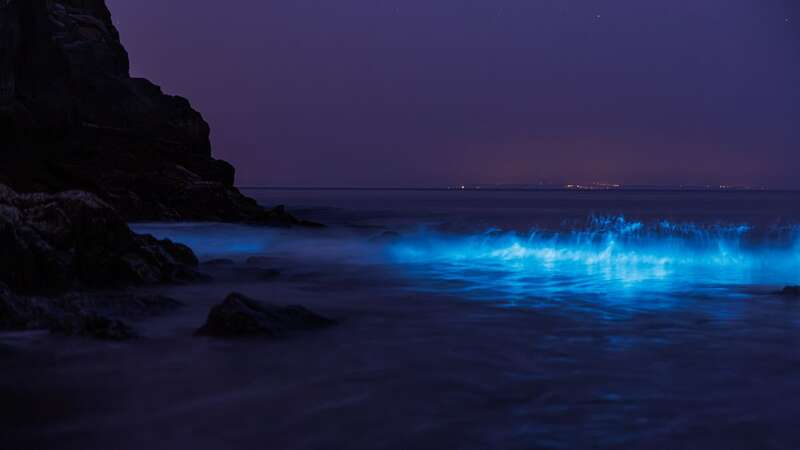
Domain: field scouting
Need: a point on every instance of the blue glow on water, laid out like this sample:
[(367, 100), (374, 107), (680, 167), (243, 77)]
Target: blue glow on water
[(610, 257), (608, 261), (212, 240)]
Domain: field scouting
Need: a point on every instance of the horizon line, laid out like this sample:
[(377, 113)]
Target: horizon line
[(550, 188)]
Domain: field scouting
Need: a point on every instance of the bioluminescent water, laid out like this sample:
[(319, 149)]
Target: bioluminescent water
[(611, 260), (563, 320), (213, 240)]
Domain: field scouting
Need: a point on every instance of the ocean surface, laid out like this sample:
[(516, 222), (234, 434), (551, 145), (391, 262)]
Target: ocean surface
[(468, 319), (626, 251)]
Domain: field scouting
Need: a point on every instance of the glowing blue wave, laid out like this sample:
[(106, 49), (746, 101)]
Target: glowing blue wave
[(609, 256), (609, 260)]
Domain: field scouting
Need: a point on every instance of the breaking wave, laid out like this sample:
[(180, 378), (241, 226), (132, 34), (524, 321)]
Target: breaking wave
[(608, 255), (608, 258)]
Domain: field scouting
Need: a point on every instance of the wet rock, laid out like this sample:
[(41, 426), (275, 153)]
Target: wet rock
[(258, 267), (269, 274), (100, 315), (130, 306), (72, 117), (240, 316), (260, 261), (55, 242), (20, 313), (221, 262), (790, 291), (92, 325), (257, 272)]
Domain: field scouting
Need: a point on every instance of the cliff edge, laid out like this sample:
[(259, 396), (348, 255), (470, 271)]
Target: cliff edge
[(72, 117)]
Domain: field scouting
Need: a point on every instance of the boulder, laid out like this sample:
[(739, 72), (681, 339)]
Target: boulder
[(260, 261), (257, 273), (240, 316), (219, 262), (50, 243), (92, 325), (790, 291), (122, 305), (99, 315), (21, 313)]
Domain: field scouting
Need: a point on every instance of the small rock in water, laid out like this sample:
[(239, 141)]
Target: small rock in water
[(790, 291), (268, 274), (261, 261), (240, 316), (220, 262), (92, 325), (258, 273)]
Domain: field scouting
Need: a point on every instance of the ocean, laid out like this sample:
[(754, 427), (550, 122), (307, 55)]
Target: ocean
[(626, 250), (467, 319)]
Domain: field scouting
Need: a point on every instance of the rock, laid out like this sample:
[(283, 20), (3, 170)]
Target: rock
[(221, 262), (268, 274), (99, 315), (260, 261), (240, 316), (53, 243), (790, 291), (92, 325), (20, 313), (258, 273), (72, 117), (130, 306)]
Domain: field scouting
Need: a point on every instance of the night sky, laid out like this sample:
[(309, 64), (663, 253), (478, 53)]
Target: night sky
[(439, 92)]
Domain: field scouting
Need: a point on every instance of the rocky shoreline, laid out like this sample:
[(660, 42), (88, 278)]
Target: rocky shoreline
[(57, 245), (67, 259), (55, 242), (84, 149)]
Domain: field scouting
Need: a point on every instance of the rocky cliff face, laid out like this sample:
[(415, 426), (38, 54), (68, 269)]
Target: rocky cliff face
[(71, 117)]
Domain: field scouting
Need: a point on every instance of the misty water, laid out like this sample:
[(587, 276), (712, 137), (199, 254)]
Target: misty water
[(469, 319)]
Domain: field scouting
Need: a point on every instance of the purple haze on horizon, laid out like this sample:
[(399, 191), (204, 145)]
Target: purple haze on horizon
[(434, 93)]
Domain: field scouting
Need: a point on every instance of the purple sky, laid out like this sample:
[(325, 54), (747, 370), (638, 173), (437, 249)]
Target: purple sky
[(438, 92)]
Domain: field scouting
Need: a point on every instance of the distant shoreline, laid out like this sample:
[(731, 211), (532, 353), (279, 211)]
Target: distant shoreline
[(518, 189)]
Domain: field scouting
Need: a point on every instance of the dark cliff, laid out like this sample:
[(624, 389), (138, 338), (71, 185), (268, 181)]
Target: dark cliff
[(71, 117)]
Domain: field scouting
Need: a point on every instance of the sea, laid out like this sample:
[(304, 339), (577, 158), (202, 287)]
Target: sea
[(628, 251), (468, 319)]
